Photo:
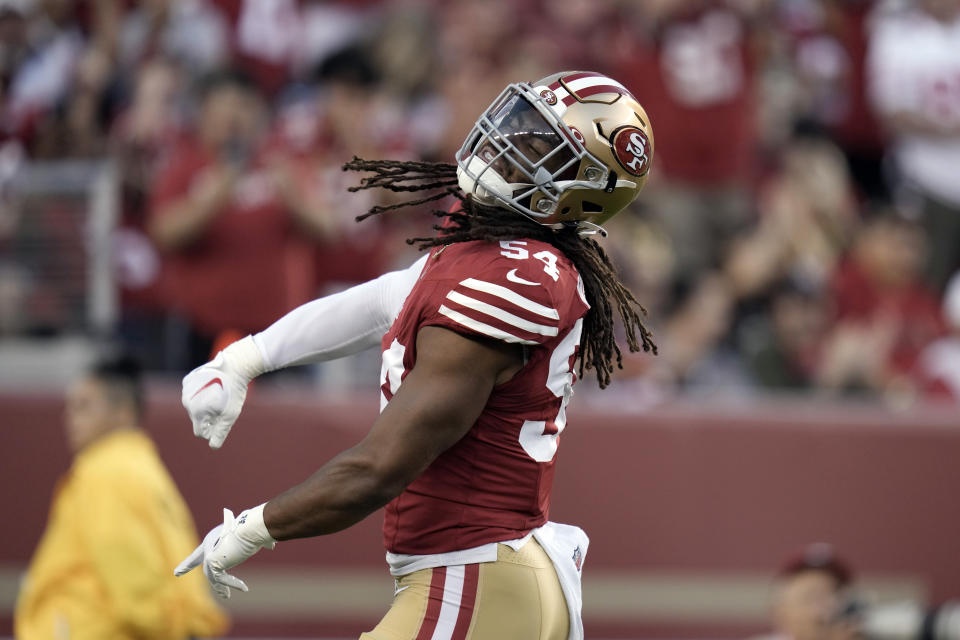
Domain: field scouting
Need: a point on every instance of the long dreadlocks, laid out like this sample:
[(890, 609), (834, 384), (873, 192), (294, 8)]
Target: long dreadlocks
[(478, 221)]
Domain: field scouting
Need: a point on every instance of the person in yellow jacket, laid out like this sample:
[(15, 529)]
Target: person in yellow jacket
[(117, 526)]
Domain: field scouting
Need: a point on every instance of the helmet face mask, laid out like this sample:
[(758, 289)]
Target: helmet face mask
[(527, 152)]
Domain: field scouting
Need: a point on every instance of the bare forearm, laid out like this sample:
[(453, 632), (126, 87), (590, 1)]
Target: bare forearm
[(340, 324), (184, 220), (308, 210), (311, 214), (343, 492), (182, 223)]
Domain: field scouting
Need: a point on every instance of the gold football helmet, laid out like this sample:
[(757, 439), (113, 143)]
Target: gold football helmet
[(573, 148)]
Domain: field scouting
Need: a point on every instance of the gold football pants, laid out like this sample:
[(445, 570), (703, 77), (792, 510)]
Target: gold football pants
[(516, 597)]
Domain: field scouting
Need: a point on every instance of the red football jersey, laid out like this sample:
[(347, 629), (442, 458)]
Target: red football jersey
[(494, 484)]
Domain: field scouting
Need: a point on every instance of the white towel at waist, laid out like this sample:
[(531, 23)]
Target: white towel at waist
[(567, 547)]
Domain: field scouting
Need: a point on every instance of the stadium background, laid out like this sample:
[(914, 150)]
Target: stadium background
[(801, 393)]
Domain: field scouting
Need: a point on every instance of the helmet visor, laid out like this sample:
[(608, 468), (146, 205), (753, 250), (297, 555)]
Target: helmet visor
[(520, 145)]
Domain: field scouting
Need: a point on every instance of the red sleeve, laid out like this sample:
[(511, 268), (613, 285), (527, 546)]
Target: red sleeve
[(478, 289)]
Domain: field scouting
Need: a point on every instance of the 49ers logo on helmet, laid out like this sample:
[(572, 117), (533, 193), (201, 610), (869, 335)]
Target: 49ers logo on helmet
[(549, 96), (632, 149)]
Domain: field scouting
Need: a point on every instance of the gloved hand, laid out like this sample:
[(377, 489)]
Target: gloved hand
[(226, 546), (213, 393)]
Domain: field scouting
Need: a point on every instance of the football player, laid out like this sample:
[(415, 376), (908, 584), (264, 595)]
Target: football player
[(483, 339)]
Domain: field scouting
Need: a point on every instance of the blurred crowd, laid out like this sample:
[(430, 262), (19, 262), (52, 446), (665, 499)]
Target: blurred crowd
[(799, 230)]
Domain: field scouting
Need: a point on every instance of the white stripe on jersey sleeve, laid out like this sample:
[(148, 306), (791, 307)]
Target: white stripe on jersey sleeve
[(510, 296), (500, 314), (480, 327)]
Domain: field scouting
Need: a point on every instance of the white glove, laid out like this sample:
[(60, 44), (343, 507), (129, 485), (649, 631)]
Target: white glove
[(226, 546), (213, 393)]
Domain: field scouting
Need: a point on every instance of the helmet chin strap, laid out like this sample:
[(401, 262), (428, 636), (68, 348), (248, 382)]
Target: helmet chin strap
[(591, 229), (584, 228)]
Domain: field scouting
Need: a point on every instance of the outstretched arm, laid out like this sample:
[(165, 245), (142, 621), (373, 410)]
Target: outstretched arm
[(337, 325), (324, 329), (437, 404)]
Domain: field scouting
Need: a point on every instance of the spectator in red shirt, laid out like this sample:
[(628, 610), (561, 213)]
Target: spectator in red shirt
[(884, 314), (694, 72), (138, 141), (807, 216), (231, 221)]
